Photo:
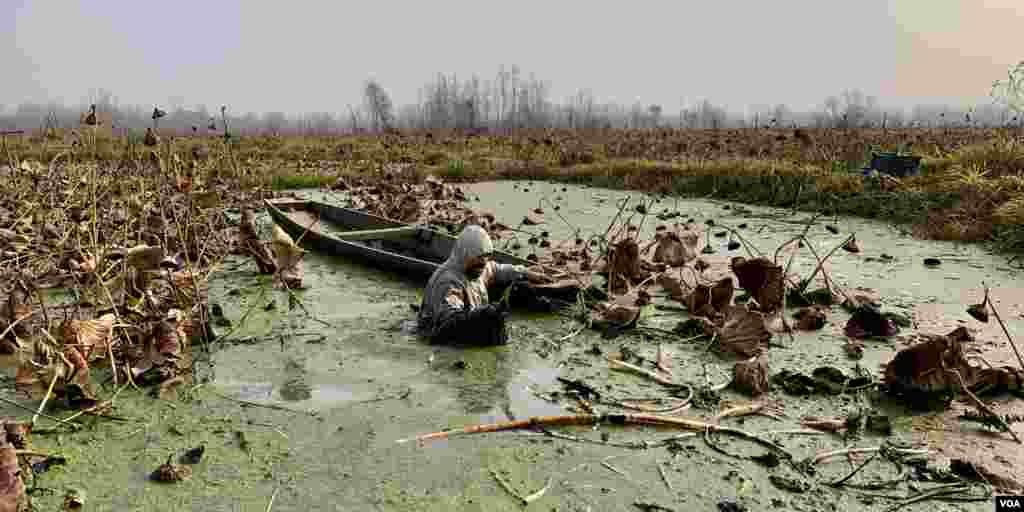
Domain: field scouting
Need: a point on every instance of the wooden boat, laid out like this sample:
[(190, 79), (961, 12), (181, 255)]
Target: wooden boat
[(412, 250)]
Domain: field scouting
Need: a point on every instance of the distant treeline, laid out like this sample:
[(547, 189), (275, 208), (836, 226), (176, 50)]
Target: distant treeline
[(509, 101)]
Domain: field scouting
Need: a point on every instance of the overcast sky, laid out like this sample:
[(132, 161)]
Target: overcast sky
[(306, 56)]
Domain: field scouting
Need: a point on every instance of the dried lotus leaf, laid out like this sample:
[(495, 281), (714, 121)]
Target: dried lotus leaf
[(622, 314), (673, 285), (751, 375), (743, 332), (672, 251), (12, 488), (810, 318), (145, 257), (90, 337)]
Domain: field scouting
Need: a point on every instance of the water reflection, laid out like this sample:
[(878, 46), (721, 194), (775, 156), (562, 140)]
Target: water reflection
[(295, 387), (496, 382), (481, 378)]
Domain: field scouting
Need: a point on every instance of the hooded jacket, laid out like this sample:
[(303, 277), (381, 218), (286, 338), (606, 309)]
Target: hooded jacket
[(450, 291)]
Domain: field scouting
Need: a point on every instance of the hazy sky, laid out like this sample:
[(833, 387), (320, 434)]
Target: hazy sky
[(305, 56)]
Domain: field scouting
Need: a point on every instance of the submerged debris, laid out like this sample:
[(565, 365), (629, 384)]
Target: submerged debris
[(12, 488), (673, 285), (169, 472), (826, 423), (743, 332), (869, 321), (751, 376), (977, 472), (810, 318), (674, 249), (854, 348), (925, 368), (698, 326), (710, 301), (762, 279), (980, 311), (823, 379), (730, 505), (851, 245), (624, 267), (44, 465), (879, 424), (193, 455), (615, 317), (74, 500)]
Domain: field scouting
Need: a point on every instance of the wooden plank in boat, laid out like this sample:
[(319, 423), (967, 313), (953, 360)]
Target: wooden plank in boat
[(287, 202), (305, 219), (398, 233), (308, 220)]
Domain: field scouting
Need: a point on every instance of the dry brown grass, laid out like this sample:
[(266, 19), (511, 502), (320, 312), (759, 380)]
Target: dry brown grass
[(970, 186)]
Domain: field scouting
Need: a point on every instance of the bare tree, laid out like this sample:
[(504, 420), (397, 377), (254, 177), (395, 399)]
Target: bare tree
[(508, 90), (437, 108), (780, 114), (501, 94), (636, 115), (710, 116), (379, 106), (249, 122), (319, 123), (856, 107), (176, 103), (655, 113), (274, 122), (510, 100), (354, 120), (821, 119), (832, 109), (103, 99)]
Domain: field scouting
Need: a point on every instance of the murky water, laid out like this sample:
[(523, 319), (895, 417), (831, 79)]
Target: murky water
[(352, 383)]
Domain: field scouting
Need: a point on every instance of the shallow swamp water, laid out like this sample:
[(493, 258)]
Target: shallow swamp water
[(303, 404)]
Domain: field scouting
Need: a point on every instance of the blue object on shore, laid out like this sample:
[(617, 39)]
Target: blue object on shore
[(895, 164)]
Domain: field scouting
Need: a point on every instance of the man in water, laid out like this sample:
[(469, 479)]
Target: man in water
[(456, 308)]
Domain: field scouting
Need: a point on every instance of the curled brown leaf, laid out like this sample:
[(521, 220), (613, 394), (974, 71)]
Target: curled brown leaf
[(751, 375), (810, 318), (762, 279), (12, 488), (672, 251), (289, 258), (743, 332)]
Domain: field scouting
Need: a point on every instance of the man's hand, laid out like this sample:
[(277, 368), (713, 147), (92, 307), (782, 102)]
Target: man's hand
[(534, 277)]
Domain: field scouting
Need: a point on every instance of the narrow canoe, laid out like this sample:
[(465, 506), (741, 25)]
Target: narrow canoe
[(376, 241)]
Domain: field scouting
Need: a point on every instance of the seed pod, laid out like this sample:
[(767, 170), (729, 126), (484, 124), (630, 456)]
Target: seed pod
[(979, 311), (851, 245), (751, 375)]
